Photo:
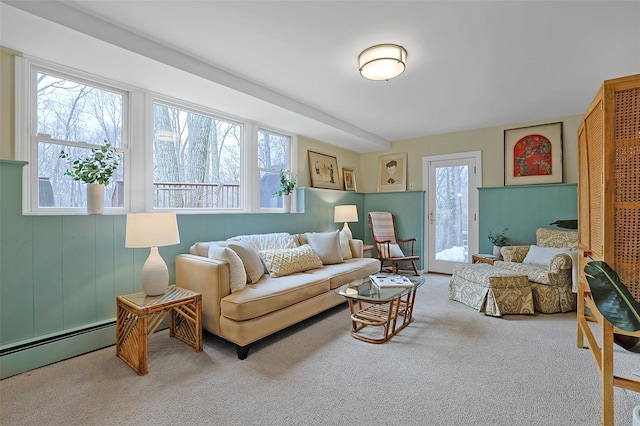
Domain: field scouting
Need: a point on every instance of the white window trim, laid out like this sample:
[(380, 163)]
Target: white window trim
[(137, 141)]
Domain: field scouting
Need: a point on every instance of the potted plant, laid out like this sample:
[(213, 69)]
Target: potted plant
[(286, 189), (95, 170), (614, 301), (498, 240)]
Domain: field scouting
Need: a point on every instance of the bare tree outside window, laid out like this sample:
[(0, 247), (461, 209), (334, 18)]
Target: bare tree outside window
[(196, 160), (452, 206), (273, 156), (74, 117)]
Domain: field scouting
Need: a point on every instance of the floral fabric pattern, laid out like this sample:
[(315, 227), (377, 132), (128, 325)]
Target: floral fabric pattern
[(491, 290), (551, 285)]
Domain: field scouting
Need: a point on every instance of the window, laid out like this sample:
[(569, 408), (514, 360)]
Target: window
[(274, 154), (197, 160), (73, 116), (182, 156)]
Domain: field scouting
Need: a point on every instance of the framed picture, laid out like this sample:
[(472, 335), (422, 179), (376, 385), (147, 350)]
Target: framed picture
[(533, 155), (349, 179), (324, 171), (392, 172)]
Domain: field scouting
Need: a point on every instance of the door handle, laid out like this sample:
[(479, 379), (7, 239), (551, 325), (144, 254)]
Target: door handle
[(430, 217)]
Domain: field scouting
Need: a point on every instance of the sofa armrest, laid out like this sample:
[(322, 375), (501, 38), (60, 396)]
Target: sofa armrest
[(357, 247), (210, 278), (559, 262), (514, 253)]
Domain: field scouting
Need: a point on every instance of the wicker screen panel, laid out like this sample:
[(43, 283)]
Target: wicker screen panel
[(627, 189), (595, 168), (584, 240)]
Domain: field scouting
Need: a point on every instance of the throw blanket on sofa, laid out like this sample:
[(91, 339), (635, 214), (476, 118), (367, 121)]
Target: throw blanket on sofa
[(277, 240)]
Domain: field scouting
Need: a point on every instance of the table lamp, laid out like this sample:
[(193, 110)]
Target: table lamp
[(346, 214), (153, 230)]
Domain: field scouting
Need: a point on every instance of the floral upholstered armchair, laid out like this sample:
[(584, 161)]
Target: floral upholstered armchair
[(551, 265)]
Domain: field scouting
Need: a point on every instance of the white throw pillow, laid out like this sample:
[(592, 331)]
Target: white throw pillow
[(345, 246), (327, 246), (542, 255), (274, 240), (250, 259), (237, 273), (575, 265), (394, 250)]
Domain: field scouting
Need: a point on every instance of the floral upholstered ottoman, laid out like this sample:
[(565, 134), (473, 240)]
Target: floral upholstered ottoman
[(491, 290)]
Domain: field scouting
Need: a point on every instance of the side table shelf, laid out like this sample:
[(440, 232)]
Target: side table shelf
[(139, 315), (484, 258)]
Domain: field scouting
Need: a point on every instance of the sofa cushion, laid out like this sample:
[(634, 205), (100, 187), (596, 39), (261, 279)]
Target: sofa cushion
[(542, 255), (351, 270), (271, 294), (535, 273), (327, 245), (345, 247), (237, 273), (281, 262), (250, 259)]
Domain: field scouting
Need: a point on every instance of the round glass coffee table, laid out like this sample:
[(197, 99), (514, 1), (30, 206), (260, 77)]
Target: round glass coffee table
[(375, 306)]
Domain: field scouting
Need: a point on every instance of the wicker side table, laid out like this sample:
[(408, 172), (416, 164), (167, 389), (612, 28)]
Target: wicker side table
[(139, 315)]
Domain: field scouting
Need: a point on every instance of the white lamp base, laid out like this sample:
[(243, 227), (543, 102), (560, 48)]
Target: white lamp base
[(155, 275), (347, 231)]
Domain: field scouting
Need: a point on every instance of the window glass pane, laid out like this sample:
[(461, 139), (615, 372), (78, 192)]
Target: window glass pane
[(269, 184), (55, 189), (273, 151), (196, 160), (72, 111), (87, 115), (273, 156)]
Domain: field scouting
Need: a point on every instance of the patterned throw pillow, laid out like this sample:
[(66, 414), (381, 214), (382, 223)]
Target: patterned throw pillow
[(281, 262)]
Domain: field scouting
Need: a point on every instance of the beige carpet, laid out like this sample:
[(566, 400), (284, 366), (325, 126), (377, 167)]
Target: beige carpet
[(451, 366)]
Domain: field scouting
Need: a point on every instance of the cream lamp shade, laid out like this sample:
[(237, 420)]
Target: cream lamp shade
[(153, 230), (382, 62), (347, 213)]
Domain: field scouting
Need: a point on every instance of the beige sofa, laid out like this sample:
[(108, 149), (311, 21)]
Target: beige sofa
[(553, 283), (272, 303)]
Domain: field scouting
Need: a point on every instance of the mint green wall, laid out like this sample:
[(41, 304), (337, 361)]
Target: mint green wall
[(62, 273), (409, 210), (523, 209)]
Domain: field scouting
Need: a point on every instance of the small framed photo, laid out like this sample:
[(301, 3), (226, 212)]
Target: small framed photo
[(392, 172), (349, 179), (533, 155), (324, 171)]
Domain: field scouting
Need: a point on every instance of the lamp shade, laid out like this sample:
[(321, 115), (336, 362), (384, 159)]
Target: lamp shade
[(151, 230), (382, 62), (348, 213)]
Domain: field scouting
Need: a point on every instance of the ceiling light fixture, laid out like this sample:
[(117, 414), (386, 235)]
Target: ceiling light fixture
[(382, 62)]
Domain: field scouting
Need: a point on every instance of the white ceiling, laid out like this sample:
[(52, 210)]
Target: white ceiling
[(470, 64)]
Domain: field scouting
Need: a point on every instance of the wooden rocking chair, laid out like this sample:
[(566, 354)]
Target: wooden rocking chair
[(387, 243)]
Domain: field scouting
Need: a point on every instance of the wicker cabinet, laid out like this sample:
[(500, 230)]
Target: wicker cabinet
[(609, 212)]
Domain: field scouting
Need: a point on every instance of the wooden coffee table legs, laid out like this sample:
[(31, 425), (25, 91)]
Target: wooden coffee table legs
[(384, 314)]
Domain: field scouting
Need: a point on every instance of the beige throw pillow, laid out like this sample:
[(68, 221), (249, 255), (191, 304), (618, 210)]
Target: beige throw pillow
[(250, 259), (237, 273), (327, 245), (345, 246), (281, 262)]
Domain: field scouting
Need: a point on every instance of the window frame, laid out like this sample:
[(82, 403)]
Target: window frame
[(137, 143), (28, 139), (292, 155)]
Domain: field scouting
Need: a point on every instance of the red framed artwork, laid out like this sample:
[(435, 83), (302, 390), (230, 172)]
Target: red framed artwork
[(533, 155)]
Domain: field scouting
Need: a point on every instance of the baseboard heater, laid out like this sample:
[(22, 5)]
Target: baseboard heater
[(53, 339)]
